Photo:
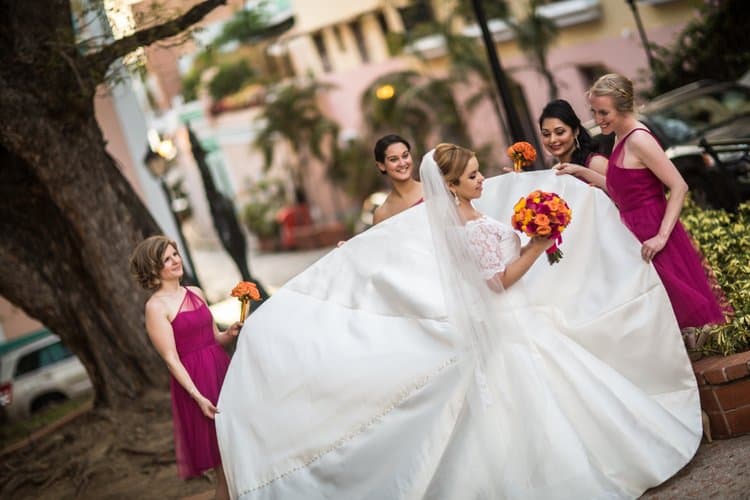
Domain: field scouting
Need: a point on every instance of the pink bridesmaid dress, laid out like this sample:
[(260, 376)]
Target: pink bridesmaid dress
[(640, 198), (206, 362)]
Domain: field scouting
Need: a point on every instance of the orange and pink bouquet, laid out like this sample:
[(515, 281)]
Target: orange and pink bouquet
[(522, 153), (543, 214), (245, 291)]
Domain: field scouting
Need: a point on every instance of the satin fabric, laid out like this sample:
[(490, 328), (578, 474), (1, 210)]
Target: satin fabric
[(346, 384)]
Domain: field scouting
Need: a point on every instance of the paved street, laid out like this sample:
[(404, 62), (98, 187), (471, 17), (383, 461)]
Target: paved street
[(218, 274)]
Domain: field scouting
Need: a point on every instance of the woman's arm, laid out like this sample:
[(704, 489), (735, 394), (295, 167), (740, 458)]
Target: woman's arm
[(647, 152), (516, 269), (227, 336), (595, 174), (162, 337)]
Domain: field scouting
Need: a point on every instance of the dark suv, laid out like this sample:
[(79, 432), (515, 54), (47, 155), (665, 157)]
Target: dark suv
[(704, 128)]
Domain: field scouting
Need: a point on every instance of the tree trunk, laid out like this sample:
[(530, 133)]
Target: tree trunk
[(67, 234), (68, 217)]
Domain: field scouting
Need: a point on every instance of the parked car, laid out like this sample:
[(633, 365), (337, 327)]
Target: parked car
[(704, 128), (37, 371)]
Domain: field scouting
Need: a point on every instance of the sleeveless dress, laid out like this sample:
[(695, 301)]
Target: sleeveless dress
[(639, 195), (352, 384), (206, 362)]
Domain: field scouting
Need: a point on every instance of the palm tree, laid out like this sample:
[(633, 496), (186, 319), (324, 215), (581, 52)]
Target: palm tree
[(534, 35), (418, 106), (292, 114)]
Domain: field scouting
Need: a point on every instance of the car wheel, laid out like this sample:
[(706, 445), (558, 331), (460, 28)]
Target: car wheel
[(47, 401)]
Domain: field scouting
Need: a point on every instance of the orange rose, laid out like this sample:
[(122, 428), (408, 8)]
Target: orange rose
[(246, 290)]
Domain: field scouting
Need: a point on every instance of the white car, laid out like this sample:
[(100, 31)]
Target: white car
[(38, 371)]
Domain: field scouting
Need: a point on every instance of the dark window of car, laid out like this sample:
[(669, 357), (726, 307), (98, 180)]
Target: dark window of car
[(694, 115), (42, 357)]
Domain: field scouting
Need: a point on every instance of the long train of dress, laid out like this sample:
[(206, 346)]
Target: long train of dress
[(346, 383)]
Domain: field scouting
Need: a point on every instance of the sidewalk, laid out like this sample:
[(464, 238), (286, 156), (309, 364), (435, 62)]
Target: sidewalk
[(218, 274)]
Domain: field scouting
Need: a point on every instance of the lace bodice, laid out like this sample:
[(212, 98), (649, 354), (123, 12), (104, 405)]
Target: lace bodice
[(494, 243)]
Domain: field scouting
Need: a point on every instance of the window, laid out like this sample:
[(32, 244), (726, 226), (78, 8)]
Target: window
[(591, 73), (40, 358), (417, 13), (360, 39), (380, 16), (320, 46)]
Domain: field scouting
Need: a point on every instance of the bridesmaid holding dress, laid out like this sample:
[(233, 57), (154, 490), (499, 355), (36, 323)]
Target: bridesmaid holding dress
[(183, 331), (637, 173)]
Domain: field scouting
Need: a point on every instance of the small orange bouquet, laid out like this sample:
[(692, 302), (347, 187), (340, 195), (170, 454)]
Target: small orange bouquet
[(543, 214), (245, 291), (522, 153)]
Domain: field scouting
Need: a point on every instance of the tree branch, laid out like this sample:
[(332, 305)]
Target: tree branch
[(102, 59)]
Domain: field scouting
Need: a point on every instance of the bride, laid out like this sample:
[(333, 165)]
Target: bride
[(433, 356)]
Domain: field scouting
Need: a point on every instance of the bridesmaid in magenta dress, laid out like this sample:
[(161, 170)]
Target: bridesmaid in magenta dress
[(637, 174), (182, 330)]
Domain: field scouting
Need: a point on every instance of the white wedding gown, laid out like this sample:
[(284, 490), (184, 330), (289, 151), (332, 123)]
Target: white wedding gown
[(346, 383)]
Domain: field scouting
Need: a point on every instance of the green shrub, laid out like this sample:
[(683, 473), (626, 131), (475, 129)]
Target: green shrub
[(725, 241), (230, 78)]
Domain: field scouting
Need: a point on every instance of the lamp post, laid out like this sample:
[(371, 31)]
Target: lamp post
[(642, 32), (224, 217), (514, 120), (159, 155)]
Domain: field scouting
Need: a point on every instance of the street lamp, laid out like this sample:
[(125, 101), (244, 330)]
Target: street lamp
[(224, 217), (158, 160), (642, 32)]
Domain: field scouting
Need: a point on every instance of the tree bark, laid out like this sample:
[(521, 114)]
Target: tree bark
[(68, 217)]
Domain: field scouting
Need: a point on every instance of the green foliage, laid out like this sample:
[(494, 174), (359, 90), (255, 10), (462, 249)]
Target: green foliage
[(259, 215), (725, 241), (245, 26), (715, 44), (535, 34), (230, 78), (419, 106), (292, 113)]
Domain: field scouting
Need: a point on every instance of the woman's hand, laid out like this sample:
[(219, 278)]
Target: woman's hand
[(652, 246), (541, 242), (567, 168), (206, 406), (234, 329)]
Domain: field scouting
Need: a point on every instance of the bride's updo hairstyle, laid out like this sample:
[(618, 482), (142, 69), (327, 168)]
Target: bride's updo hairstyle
[(618, 87), (452, 160)]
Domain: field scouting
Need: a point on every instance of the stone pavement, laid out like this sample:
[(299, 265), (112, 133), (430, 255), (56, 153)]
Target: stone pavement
[(720, 470)]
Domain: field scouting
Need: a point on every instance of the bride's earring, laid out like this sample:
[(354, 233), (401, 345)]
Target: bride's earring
[(455, 199), (578, 144)]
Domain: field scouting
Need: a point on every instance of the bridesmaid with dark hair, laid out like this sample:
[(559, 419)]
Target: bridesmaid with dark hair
[(569, 142), (393, 158)]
